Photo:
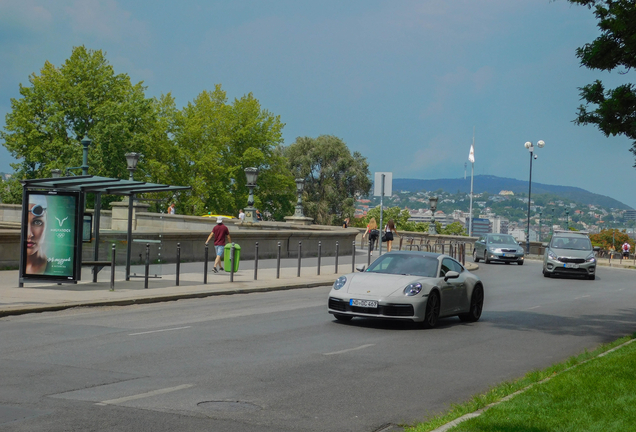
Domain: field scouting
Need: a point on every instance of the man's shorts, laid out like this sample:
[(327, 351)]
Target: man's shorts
[(626, 254), (219, 250)]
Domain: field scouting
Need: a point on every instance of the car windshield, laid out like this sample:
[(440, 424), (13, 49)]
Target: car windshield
[(574, 243), (405, 264), (502, 239)]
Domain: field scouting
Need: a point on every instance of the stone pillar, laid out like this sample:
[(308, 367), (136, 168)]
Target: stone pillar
[(120, 214)]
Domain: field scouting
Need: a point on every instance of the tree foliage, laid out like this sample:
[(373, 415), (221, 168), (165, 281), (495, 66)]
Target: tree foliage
[(206, 145), (333, 177), (613, 111), (82, 97), (611, 237)]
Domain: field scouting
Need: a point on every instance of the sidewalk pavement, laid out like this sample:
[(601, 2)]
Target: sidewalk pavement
[(44, 297)]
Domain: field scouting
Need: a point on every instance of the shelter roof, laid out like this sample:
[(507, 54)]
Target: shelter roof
[(95, 184)]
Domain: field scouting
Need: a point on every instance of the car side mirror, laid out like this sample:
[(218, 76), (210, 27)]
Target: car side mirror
[(596, 248), (360, 268), (451, 275)]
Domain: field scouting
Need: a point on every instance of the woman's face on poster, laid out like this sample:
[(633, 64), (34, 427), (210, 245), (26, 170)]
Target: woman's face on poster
[(37, 224)]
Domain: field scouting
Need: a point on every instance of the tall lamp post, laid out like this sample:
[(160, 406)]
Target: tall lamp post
[(552, 223), (131, 161), (540, 232), (300, 186), (530, 148), (431, 227), (251, 175)]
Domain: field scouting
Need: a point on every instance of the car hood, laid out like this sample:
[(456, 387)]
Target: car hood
[(572, 253), (380, 284)]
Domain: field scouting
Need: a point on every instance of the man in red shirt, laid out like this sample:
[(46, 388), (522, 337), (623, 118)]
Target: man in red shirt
[(220, 232)]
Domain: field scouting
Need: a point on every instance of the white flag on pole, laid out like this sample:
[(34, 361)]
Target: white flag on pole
[(471, 155)]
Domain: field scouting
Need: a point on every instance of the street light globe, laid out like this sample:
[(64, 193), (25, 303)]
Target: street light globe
[(541, 143), (528, 144)]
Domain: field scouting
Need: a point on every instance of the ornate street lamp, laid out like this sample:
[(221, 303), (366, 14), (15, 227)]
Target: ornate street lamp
[(300, 186), (530, 148), (131, 161), (86, 142), (431, 227), (251, 174)]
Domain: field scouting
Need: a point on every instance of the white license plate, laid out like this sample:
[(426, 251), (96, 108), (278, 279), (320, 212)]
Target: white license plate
[(571, 265), (363, 303), (506, 255)]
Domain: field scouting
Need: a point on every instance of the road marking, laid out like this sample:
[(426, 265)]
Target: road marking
[(534, 307), (157, 331), (576, 298), (350, 349), (144, 395)]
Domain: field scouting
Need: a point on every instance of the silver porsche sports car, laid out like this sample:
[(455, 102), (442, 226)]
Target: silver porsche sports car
[(411, 285)]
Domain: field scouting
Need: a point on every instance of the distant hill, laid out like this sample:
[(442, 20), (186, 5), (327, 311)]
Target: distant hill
[(494, 185)]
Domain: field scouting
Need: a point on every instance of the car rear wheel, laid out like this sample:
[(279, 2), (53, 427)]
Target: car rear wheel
[(343, 318), (432, 310), (476, 306), (475, 259)]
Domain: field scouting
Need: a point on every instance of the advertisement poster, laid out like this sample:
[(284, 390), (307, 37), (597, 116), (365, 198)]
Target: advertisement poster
[(50, 237)]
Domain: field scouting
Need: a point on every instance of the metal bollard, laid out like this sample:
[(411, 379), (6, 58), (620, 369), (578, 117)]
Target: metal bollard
[(256, 261), (337, 247), (353, 257), (112, 269), (205, 265), (300, 252), (319, 253), (178, 261), (232, 263), (278, 263), (369, 255), (147, 271)]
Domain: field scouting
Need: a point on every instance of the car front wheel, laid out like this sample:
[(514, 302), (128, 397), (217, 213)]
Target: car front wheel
[(520, 262), (476, 306), (475, 259), (432, 310), (486, 260)]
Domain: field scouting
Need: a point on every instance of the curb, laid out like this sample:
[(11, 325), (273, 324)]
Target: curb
[(23, 310)]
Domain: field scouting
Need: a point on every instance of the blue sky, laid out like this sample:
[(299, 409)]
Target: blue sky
[(402, 82)]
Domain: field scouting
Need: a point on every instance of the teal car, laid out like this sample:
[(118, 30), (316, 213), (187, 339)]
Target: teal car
[(498, 247)]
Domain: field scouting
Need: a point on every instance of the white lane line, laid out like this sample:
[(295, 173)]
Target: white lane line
[(157, 331), (576, 298), (144, 395), (534, 307), (350, 349)]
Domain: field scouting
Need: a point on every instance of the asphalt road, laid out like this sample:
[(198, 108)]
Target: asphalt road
[(278, 362)]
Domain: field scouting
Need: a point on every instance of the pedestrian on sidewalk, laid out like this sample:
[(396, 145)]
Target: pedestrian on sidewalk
[(626, 247), (171, 209), (221, 234), (389, 230), (372, 231), (241, 215)]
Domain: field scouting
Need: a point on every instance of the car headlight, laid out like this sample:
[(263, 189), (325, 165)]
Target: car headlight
[(413, 289), (492, 250), (591, 257), (340, 282), (552, 255)]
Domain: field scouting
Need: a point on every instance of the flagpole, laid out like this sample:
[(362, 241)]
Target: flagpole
[(471, 158)]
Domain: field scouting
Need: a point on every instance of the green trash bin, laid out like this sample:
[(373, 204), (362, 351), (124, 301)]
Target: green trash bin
[(227, 251)]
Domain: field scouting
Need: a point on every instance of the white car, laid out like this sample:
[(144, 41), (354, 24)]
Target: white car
[(408, 285)]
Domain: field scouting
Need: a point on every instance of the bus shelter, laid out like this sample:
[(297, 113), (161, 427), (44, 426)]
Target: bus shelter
[(53, 224)]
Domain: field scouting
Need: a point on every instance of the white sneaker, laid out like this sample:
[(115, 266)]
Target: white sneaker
[(371, 254)]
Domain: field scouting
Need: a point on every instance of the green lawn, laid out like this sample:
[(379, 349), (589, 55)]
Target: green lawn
[(588, 392)]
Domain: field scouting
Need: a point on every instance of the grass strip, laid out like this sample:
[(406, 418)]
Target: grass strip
[(590, 395)]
